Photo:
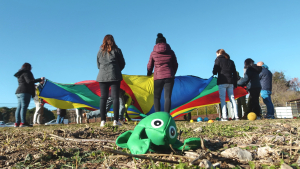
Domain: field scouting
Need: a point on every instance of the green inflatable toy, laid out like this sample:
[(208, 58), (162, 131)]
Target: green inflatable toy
[(155, 132)]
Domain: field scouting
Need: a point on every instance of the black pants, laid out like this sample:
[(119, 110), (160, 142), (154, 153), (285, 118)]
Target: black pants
[(159, 85), (115, 89), (253, 102)]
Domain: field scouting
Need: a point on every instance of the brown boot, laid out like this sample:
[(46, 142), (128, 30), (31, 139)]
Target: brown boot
[(244, 118), (85, 119)]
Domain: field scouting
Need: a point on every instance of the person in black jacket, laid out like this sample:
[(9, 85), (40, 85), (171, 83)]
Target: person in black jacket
[(227, 81), (251, 80), (25, 91)]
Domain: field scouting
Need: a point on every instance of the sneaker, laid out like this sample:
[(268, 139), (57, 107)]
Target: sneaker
[(16, 125), (102, 123), (24, 125), (117, 123), (224, 119), (269, 117)]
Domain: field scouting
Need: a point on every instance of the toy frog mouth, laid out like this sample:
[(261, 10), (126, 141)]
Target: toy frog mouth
[(137, 141)]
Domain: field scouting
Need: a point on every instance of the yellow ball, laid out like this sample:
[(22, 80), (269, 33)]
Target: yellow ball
[(210, 121), (191, 121), (251, 116)]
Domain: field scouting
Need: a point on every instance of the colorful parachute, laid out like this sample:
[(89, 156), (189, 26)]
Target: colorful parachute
[(189, 92)]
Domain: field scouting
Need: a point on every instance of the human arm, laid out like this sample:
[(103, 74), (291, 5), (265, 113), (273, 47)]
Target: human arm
[(174, 63), (98, 55), (217, 67), (244, 81), (260, 75), (121, 60), (235, 77), (150, 65), (29, 78)]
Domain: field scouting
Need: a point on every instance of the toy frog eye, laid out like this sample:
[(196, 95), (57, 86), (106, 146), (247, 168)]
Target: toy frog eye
[(156, 123), (172, 131)]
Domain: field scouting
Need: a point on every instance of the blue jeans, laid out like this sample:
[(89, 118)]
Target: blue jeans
[(222, 94), (60, 119), (23, 102), (266, 95)]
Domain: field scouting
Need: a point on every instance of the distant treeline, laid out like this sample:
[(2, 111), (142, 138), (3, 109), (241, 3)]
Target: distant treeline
[(8, 115)]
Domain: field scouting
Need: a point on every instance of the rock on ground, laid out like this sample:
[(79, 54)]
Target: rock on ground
[(298, 161), (265, 151), (199, 129), (285, 166), (272, 138), (236, 152), (206, 164)]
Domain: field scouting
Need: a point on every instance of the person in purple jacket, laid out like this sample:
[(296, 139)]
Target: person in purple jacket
[(164, 62)]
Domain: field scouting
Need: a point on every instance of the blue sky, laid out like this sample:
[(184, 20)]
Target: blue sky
[(61, 38)]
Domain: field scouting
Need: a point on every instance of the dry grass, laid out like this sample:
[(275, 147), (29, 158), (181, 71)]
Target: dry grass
[(35, 147)]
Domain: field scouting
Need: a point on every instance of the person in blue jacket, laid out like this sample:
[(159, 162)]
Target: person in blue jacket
[(265, 77), (252, 81)]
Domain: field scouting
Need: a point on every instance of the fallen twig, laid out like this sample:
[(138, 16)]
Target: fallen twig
[(81, 140), (202, 143), (172, 148), (139, 156), (196, 159), (289, 147)]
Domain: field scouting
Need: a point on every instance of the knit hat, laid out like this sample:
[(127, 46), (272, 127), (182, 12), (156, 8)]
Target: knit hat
[(160, 38)]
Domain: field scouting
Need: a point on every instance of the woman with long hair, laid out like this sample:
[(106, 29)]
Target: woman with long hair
[(164, 62), (227, 81), (25, 91), (110, 63)]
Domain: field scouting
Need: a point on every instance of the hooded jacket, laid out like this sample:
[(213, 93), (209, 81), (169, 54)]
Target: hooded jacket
[(251, 77), (26, 82), (265, 77), (164, 62), (225, 68)]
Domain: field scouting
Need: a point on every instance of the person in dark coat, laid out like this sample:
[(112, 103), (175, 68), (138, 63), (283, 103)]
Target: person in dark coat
[(227, 81), (25, 91), (110, 62), (251, 80), (265, 77), (61, 113), (164, 62)]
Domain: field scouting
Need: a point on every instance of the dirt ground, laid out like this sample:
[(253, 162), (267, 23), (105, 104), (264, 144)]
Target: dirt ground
[(89, 146)]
